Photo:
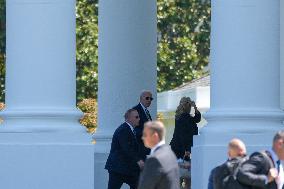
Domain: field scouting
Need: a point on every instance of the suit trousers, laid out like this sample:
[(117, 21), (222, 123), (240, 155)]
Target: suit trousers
[(116, 180)]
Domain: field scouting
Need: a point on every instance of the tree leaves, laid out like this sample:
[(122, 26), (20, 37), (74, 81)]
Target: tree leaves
[(183, 44), (87, 48), (183, 41)]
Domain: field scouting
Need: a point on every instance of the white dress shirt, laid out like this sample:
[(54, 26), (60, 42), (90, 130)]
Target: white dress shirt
[(157, 146), (280, 179)]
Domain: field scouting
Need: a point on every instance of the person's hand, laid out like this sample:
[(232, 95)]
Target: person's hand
[(140, 164), (272, 174), (193, 104)]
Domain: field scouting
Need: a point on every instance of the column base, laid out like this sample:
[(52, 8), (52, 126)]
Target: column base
[(102, 147), (46, 166)]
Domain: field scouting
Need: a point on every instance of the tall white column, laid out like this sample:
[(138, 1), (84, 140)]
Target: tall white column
[(282, 54), (42, 143), (244, 82), (40, 67), (127, 65)]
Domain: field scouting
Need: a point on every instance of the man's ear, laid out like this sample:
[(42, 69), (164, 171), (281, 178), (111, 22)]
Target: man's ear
[(229, 153), (156, 134)]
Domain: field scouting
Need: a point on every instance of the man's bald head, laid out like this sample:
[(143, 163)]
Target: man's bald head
[(236, 148)]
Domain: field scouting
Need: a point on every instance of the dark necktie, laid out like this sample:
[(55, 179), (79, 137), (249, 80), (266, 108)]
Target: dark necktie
[(148, 115), (134, 133), (278, 165)]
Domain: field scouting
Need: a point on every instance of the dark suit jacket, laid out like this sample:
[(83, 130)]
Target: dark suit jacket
[(222, 172), (210, 180), (185, 128), (161, 170), (254, 172), (124, 152), (139, 131)]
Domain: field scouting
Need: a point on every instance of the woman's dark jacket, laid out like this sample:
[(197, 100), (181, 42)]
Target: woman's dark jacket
[(185, 128)]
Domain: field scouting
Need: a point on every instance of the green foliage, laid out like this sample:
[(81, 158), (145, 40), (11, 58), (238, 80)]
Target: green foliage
[(87, 48), (183, 47), (2, 49)]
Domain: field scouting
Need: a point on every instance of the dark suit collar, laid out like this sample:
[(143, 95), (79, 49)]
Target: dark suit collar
[(145, 110), (126, 126), (143, 107), (129, 125)]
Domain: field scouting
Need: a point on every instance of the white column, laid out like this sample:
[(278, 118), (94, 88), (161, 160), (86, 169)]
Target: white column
[(41, 138), (127, 65), (244, 82), (282, 54), (40, 67)]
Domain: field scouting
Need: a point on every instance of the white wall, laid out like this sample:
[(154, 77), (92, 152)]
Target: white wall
[(169, 100)]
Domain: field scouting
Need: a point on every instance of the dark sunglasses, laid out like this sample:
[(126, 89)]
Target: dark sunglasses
[(149, 98)]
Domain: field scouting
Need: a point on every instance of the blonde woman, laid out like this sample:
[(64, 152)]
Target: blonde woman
[(185, 127)]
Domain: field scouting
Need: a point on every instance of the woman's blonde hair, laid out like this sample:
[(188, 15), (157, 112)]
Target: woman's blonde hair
[(183, 106)]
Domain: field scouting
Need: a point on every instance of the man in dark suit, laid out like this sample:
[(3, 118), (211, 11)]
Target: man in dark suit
[(142, 109), (264, 170), (219, 176), (123, 163), (161, 169)]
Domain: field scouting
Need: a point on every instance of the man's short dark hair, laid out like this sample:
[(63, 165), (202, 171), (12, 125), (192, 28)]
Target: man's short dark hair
[(128, 112)]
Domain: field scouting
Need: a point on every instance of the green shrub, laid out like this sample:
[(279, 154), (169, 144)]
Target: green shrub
[(89, 108)]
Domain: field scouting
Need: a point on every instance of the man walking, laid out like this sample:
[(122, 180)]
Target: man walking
[(161, 169), (123, 163), (220, 176), (144, 114), (264, 170)]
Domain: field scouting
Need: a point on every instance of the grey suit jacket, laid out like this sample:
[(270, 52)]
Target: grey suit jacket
[(161, 170)]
